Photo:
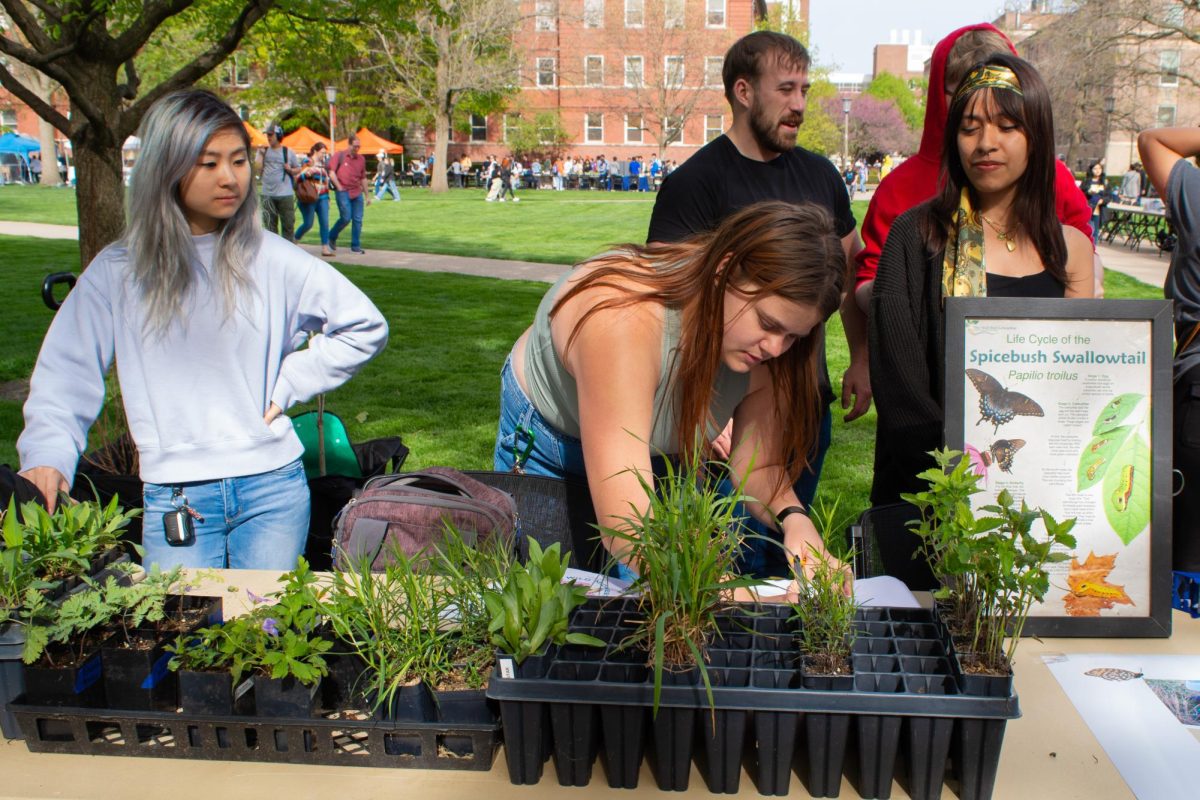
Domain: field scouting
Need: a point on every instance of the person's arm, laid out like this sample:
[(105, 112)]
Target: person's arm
[(66, 391), (1161, 148), (856, 382), (331, 169), (349, 330), (757, 464), (1080, 264), (615, 361)]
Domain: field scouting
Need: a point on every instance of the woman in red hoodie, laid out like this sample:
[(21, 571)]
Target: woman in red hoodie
[(915, 181)]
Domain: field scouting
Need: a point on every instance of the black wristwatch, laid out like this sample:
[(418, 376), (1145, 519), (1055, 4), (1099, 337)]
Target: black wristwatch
[(787, 512)]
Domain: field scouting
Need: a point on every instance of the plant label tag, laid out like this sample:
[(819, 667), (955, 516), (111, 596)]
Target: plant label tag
[(242, 688), (507, 670)]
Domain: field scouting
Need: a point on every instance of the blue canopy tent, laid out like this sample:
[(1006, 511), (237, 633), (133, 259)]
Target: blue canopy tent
[(21, 146)]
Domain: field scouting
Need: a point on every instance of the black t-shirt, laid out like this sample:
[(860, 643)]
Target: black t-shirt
[(718, 180)]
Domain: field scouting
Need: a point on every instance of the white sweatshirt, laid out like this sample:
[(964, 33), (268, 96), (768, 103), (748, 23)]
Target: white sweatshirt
[(195, 396)]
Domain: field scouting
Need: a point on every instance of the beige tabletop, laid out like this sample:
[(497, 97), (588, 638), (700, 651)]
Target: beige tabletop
[(1048, 753)]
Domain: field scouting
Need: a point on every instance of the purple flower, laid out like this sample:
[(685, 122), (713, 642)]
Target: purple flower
[(269, 627), (255, 598)]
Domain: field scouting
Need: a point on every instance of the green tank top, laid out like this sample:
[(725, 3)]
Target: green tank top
[(554, 394)]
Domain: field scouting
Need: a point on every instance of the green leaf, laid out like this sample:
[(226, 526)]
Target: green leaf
[(1115, 412), (1127, 502), (1098, 454)]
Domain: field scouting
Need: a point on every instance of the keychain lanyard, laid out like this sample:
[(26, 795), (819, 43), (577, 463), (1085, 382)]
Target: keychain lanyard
[(521, 455)]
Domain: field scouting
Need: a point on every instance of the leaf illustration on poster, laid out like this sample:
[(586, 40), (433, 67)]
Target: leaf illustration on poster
[(1116, 412), (1126, 490), (1098, 454)]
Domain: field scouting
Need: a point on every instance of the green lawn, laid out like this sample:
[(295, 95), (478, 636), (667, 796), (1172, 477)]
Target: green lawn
[(551, 227), (437, 384)]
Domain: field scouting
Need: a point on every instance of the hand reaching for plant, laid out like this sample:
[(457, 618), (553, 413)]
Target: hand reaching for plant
[(49, 482)]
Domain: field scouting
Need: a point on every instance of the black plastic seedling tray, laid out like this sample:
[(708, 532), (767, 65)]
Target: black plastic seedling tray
[(579, 702), (344, 739)]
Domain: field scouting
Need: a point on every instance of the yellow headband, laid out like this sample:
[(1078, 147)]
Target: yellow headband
[(989, 77)]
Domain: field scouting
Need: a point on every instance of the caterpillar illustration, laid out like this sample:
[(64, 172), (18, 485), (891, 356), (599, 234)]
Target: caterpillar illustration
[(1110, 418), (1124, 489), (1098, 445), (1101, 590), (1113, 674), (1091, 471)]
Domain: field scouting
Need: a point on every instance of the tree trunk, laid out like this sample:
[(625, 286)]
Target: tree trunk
[(99, 194), (441, 147)]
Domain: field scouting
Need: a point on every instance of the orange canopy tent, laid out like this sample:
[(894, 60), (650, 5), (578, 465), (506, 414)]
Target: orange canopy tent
[(302, 139), (257, 137), (372, 143)]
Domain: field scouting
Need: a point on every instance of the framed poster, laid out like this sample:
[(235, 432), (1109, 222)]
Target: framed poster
[(1067, 405)]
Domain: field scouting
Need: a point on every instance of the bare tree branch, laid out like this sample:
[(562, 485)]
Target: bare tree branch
[(40, 107)]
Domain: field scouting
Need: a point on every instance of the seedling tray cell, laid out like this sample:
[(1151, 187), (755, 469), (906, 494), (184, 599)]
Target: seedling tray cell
[(346, 738)]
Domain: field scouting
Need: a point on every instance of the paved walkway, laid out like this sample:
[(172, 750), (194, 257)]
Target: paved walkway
[(1145, 265)]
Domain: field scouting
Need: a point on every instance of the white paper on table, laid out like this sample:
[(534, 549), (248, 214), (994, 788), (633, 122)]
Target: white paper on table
[(883, 590), (597, 585)]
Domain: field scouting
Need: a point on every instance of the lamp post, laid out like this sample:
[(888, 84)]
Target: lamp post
[(1110, 104), (331, 96), (845, 130)]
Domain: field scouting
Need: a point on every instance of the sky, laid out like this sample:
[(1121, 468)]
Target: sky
[(845, 32)]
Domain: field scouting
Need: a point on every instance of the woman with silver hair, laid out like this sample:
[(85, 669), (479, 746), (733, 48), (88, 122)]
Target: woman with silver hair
[(203, 312)]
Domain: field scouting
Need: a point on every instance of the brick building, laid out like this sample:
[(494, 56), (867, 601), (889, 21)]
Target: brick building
[(626, 77)]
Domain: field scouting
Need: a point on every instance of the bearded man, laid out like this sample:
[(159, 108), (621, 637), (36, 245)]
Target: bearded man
[(766, 83)]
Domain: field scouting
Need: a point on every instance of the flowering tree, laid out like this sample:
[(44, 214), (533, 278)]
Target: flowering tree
[(876, 126)]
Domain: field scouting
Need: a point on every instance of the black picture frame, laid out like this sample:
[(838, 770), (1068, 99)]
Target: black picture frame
[(1156, 620)]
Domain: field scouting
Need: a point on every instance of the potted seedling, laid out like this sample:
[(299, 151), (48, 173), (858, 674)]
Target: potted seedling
[(76, 539), (203, 665), (684, 545), (530, 613), (281, 646)]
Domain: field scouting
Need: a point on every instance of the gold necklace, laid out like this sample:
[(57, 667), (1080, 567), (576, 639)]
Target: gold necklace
[(1008, 237)]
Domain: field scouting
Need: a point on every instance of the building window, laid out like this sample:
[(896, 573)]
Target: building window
[(715, 17), (244, 113), (593, 13), (1168, 66), (635, 13), (635, 71), (712, 71), (593, 127), (478, 128), (1174, 14), (714, 126), (1166, 116), (545, 16), (593, 70), (633, 128), (510, 122), (8, 118), (545, 71), (672, 13), (673, 72), (673, 130), (241, 70)]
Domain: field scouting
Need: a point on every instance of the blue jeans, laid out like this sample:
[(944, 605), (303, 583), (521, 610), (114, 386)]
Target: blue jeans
[(252, 522), (764, 557), (349, 210), (388, 186), (551, 452), (320, 207)]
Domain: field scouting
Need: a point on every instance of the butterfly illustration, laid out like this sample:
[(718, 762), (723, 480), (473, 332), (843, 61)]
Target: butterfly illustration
[(1113, 674), (1001, 452), (998, 405)]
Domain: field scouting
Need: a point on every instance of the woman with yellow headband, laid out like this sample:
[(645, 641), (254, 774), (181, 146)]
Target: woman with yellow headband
[(990, 230)]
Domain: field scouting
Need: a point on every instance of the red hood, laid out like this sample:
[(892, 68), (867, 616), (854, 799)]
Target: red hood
[(935, 99)]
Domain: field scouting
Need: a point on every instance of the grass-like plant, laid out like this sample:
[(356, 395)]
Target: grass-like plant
[(824, 609), (532, 608), (684, 546)]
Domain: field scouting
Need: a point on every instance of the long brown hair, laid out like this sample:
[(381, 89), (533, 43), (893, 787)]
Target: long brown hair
[(1033, 207), (773, 248)]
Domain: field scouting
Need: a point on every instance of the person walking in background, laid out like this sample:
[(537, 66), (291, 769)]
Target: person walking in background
[(385, 177), (348, 175), (202, 311), (1095, 186), (1166, 153), (278, 167), (509, 172), (1131, 184), (316, 173)]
